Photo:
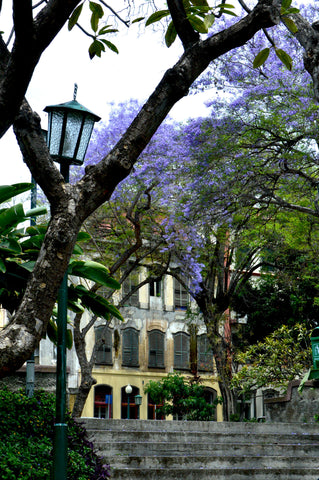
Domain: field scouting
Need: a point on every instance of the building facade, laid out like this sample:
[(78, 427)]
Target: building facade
[(155, 339)]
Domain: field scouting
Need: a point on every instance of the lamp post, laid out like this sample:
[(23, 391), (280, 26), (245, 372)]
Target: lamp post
[(70, 126), (138, 402), (128, 391)]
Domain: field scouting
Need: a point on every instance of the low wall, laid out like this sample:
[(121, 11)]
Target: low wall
[(45, 379), (294, 406)]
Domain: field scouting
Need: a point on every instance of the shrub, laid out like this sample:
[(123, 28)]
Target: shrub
[(26, 432), (184, 398)]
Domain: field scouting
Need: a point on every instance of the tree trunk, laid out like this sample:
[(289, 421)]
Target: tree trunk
[(87, 381)]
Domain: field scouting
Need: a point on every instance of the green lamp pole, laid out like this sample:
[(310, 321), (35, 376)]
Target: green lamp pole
[(70, 126), (128, 391)]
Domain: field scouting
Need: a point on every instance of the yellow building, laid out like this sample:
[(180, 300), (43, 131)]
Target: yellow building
[(155, 339)]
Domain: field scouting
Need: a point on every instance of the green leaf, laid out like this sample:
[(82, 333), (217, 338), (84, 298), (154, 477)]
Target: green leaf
[(170, 35), (94, 22), (107, 29), (96, 48), (290, 24), (10, 217), (209, 20), (115, 312), (261, 57), (229, 12), (28, 265), (139, 19), (284, 58), (286, 4), (110, 45), (69, 339), (33, 242), (96, 9), (197, 24), (52, 331), (75, 306), (9, 191), (2, 266), (10, 245), (35, 212), (199, 3), (75, 16), (83, 237), (156, 17), (96, 272), (36, 230), (77, 250), (97, 14), (97, 304)]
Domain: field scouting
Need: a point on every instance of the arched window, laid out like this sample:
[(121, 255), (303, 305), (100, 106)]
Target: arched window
[(205, 354), (181, 350), (103, 401), (103, 340), (156, 349), (130, 347)]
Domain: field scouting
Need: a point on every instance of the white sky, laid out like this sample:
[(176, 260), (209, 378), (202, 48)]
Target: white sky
[(133, 73)]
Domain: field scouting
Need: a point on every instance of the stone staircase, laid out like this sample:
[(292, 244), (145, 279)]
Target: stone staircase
[(167, 450)]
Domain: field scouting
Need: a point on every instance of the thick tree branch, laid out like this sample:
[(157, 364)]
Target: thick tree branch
[(184, 30), (26, 52)]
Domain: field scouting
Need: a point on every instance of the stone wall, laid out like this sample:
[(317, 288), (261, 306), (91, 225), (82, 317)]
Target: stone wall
[(294, 406), (45, 379)]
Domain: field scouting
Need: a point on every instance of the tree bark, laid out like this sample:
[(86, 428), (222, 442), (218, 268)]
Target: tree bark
[(72, 204)]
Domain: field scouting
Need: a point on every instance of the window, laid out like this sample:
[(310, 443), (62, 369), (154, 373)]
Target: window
[(205, 354), (181, 350), (128, 285), (181, 297), (103, 339), (130, 347), (103, 401), (156, 349), (156, 288)]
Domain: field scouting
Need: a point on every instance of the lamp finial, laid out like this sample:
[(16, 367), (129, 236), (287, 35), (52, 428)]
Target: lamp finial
[(75, 91)]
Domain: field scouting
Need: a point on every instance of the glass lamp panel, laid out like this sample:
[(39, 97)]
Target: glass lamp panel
[(72, 131), (85, 139), (55, 132)]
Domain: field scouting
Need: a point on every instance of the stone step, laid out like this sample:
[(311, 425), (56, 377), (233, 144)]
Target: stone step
[(202, 437), (185, 426), (110, 448), (163, 450), (216, 474), (212, 461)]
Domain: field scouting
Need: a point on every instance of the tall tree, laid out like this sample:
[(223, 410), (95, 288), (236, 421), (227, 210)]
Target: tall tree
[(72, 204)]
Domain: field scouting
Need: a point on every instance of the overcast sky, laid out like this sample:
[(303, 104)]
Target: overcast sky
[(133, 73)]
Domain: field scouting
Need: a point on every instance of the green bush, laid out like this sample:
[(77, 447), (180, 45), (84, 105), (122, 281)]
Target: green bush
[(26, 432), (184, 398)]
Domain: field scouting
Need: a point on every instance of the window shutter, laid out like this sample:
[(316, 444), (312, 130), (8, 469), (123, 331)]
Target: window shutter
[(181, 350), (104, 350), (130, 347), (205, 354), (156, 349)]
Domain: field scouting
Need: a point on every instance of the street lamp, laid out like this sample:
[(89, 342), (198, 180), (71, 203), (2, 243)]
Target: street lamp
[(70, 127), (138, 402), (128, 391)]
